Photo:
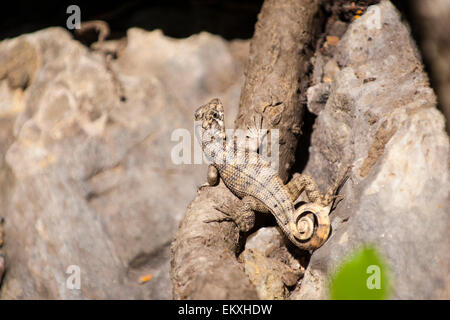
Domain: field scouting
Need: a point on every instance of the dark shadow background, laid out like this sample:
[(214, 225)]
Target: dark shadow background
[(231, 19), (178, 19)]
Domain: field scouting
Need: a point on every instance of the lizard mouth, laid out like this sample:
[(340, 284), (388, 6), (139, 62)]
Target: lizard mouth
[(212, 124), (198, 131), (207, 129)]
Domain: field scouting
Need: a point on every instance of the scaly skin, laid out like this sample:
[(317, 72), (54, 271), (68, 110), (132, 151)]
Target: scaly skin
[(259, 188)]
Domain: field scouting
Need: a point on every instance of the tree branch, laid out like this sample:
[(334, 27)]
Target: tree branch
[(204, 264)]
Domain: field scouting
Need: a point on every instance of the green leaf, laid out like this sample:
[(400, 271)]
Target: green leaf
[(362, 276)]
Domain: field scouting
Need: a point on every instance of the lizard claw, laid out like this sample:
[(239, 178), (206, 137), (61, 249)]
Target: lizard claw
[(218, 220), (244, 221), (223, 208), (329, 200), (338, 198)]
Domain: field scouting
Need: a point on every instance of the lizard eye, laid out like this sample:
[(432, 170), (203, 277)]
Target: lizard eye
[(214, 114)]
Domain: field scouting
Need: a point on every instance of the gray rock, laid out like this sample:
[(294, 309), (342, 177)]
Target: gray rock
[(382, 114), (265, 274), (317, 97), (267, 240), (85, 172), (269, 265)]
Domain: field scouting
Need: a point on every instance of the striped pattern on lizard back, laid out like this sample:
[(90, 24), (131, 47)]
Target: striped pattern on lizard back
[(255, 177), (251, 178)]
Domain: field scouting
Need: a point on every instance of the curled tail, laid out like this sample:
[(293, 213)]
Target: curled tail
[(311, 226)]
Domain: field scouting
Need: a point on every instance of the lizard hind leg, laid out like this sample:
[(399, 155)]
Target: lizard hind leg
[(331, 195), (242, 212), (312, 225), (304, 182)]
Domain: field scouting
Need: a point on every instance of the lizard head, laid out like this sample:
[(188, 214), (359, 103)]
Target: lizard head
[(211, 115)]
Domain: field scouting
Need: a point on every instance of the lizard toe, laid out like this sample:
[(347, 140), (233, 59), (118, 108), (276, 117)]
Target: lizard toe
[(245, 222)]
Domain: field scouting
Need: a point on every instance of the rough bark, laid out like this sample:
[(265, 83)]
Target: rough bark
[(204, 261), (277, 74)]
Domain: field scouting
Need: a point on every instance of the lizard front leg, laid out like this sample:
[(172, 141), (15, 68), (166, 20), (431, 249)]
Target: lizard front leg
[(304, 182), (241, 212), (212, 177)]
